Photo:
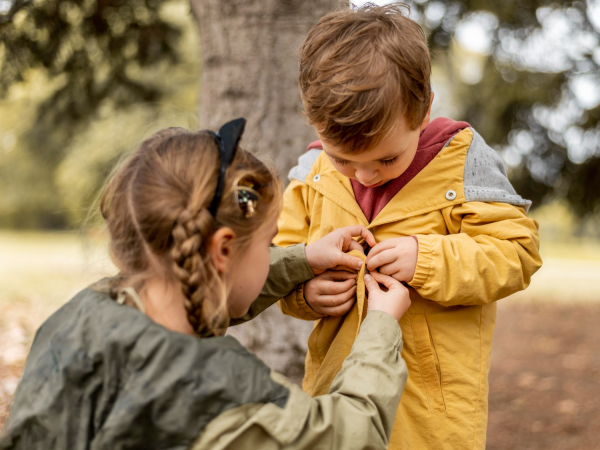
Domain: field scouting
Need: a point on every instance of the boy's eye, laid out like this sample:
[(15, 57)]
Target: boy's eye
[(389, 162), (340, 161)]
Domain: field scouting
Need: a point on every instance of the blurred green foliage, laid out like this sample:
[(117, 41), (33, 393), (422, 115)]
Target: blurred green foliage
[(99, 49), (82, 83), (525, 103)]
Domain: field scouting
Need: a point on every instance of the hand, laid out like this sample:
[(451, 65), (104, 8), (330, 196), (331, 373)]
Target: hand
[(396, 257), (330, 251), (332, 293), (395, 301)]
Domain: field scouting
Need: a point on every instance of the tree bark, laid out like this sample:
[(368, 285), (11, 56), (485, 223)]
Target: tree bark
[(250, 52), (250, 69)]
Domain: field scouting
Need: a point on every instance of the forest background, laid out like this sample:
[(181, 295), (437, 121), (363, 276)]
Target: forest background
[(83, 81)]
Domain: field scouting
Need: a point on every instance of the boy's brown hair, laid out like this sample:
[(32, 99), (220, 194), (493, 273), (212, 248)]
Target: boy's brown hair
[(360, 68)]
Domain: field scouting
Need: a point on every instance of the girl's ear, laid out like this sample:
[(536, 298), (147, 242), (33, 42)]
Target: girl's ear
[(221, 249)]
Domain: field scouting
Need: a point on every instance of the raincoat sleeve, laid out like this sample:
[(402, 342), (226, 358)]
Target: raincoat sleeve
[(491, 252), (288, 269), (358, 412), (294, 224)]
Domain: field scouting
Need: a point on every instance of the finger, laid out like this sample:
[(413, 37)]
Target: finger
[(357, 231), (355, 246), (346, 260), (328, 301), (339, 310), (367, 236), (387, 281), (371, 284), (383, 245), (336, 287), (345, 269), (388, 269), (394, 270), (385, 257), (338, 275)]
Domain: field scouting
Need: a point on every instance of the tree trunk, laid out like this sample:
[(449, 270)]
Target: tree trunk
[(250, 69)]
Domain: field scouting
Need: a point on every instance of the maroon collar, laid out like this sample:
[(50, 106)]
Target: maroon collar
[(431, 141)]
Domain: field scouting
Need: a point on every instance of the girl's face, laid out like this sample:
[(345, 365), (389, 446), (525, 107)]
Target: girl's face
[(249, 272)]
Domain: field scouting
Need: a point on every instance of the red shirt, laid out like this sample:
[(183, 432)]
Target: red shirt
[(431, 141)]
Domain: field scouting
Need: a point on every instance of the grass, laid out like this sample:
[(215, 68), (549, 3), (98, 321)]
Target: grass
[(570, 272), (48, 268)]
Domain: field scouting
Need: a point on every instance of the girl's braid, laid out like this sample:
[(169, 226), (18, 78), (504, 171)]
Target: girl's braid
[(188, 265)]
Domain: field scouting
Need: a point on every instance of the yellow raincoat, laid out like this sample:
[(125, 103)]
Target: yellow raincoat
[(476, 246)]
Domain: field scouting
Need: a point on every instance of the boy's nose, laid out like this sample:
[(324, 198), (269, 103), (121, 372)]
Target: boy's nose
[(365, 176)]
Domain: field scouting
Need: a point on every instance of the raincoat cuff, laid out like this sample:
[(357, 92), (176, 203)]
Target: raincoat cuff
[(424, 260), (378, 325), (297, 266)]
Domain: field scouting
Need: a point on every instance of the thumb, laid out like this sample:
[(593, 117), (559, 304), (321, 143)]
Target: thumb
[(371, 285), (352, 262)]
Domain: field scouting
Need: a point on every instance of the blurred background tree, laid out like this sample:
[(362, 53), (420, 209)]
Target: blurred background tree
[(250, 68), (526, 75), (83, 80)]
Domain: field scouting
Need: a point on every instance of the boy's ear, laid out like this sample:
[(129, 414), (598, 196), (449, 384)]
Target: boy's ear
[(221, 249), (427, 116)]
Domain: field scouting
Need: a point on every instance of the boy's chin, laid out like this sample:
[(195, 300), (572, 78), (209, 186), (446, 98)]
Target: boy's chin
[(380, 183)]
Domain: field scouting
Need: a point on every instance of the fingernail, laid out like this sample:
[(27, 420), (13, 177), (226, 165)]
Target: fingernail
[(367, 277), (360, 263)]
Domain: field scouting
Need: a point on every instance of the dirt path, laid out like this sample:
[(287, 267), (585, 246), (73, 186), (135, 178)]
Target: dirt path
[(545, 378)]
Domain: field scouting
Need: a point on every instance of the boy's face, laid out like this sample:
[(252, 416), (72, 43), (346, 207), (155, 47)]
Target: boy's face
[(384, 162)]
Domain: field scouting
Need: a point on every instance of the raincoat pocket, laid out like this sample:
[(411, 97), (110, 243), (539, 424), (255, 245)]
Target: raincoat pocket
[(428, 363)]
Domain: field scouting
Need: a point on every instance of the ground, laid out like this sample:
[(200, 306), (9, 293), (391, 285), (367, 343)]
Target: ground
[(545, 377)]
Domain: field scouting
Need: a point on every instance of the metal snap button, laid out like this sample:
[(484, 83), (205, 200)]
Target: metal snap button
[(316, 178), (450, 195)]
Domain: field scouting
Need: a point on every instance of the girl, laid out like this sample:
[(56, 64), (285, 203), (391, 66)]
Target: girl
[(139, 361)]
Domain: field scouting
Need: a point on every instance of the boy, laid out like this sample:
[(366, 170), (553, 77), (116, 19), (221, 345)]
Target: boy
[(436, 197)]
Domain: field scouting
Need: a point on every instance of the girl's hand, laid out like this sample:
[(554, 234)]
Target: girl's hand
[(330, 251), (395, 301), (332, 293)]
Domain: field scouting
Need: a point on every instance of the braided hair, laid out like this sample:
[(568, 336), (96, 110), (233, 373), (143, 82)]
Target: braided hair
[(156, 210)]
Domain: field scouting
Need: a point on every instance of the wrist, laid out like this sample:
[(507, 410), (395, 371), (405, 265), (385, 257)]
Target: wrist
[(310, 259)]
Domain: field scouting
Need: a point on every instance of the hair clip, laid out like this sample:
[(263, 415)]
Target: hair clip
[(227, 139), (247, 201)]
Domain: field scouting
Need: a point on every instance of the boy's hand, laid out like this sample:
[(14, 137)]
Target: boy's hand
[(330, 251), (396, 257), (331, 293), (395, 301)]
